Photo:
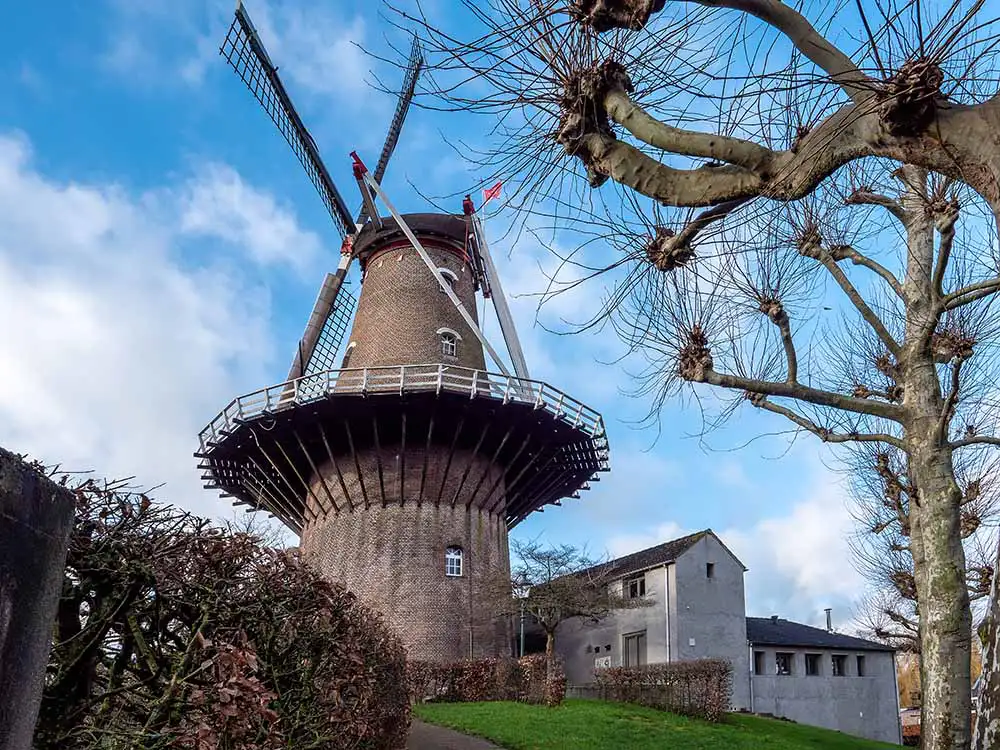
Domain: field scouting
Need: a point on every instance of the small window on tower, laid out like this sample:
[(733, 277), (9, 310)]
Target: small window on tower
[(449, 276), (347, 355), (453, 561), (449, 345)]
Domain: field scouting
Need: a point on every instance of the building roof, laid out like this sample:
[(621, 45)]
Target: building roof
[(773, 631), (661, 554)]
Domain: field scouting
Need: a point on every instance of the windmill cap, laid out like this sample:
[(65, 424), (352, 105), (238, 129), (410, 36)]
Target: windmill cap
[(443, 226)]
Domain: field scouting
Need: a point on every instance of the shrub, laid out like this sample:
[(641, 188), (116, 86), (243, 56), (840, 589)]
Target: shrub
[(701, 687), (174, 633), (493, 679)]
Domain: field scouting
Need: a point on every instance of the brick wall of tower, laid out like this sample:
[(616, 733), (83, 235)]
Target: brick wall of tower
[(401, 307), (393, 556)]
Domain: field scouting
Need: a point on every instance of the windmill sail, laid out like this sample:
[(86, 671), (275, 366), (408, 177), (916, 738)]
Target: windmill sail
[(413, 68), (245, 52), (327, 326)]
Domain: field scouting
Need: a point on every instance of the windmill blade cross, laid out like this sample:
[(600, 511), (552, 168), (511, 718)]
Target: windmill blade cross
[(244, 51)]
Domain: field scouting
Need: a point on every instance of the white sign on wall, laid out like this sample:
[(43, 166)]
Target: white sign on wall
[(602, 661)]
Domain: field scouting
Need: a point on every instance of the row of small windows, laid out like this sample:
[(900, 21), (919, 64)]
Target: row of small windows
[(784, 664)]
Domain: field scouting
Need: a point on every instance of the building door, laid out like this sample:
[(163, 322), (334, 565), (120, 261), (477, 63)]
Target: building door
[(634, 649)]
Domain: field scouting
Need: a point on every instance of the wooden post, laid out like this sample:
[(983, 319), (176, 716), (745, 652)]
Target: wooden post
[(36, 517)]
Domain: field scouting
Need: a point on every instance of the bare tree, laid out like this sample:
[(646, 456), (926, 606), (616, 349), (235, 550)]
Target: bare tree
[(881, 545), (557, 584), (749, 110)]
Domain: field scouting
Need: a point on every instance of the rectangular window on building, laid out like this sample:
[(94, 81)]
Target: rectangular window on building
[(783, 663), (709, 570), (634, 649), (861, 666), (839, 662), (635, 588), (758, 663), (812, 664)]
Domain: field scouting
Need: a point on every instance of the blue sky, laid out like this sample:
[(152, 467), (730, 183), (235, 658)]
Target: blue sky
[(160, 250)]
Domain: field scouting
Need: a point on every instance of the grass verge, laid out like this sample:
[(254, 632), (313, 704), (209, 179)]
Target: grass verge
[(595, 725)]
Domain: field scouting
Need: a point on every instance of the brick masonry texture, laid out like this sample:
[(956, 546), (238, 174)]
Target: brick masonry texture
[(386, 538), (401, 308), (393, 557)]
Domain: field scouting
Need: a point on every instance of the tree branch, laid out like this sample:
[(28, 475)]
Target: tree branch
[(976, 440), (824, 256), (944, 255), (947, 410), (804, 393), (859, 259), (827, 436), (807, 40), (623, 110), (864, 197), (970, 293)]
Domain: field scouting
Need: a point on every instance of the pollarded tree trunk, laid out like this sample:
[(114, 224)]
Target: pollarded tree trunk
[(935, 514), (942, 602), (988, 716)]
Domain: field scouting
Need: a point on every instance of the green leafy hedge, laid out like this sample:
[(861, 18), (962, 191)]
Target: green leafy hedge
[(702, 687)]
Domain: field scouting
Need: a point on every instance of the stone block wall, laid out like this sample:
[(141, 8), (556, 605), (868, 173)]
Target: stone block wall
[(36, 517)]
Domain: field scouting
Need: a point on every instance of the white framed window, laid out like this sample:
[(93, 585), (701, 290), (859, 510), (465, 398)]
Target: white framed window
[(453, 561), (449, 341), (635, 588), (347, 355), (450, 276)]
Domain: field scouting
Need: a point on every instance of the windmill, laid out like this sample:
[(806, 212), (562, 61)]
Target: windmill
[(403, 468)]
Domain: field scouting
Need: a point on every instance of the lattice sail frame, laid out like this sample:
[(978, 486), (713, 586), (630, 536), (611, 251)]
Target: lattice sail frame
[(324, 354), (245, 52)]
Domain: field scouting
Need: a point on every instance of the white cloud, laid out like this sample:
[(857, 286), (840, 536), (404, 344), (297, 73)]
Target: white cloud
[(316, 48), (120, 341), (218, 203), (800, 562)]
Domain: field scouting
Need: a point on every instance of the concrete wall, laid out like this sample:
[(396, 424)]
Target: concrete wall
[(574, 636), (708, 615), (861, 706), (36, 517), (692, 617)]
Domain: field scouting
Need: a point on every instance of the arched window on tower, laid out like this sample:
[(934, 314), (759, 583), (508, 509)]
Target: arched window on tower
[(453, 561), (347, 355), (449, 276), (449, 341)]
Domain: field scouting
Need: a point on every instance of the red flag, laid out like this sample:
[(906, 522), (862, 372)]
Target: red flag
[(491, 193)]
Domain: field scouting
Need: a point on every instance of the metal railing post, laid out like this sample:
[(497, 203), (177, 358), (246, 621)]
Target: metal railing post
[(364, 381), (402, 379), (475, 380), (440, 378)]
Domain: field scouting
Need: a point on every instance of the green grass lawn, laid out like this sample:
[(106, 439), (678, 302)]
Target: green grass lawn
[(595, 725)]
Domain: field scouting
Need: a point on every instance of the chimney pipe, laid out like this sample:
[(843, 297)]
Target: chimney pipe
[(829, 619)]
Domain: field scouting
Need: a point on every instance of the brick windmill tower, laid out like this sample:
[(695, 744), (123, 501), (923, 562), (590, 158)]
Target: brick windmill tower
[(404, 467)]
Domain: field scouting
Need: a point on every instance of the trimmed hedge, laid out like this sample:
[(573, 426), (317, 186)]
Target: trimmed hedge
[(701, 688), (173, 633), (495, 679)]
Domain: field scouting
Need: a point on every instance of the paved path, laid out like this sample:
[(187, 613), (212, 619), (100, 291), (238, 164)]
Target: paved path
[(429, 737)]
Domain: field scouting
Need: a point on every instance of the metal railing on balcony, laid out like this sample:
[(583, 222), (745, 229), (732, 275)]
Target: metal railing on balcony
[(402, 379)]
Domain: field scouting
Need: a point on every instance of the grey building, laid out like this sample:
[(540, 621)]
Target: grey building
[(695, 586), (815, 676), (696, 609)]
